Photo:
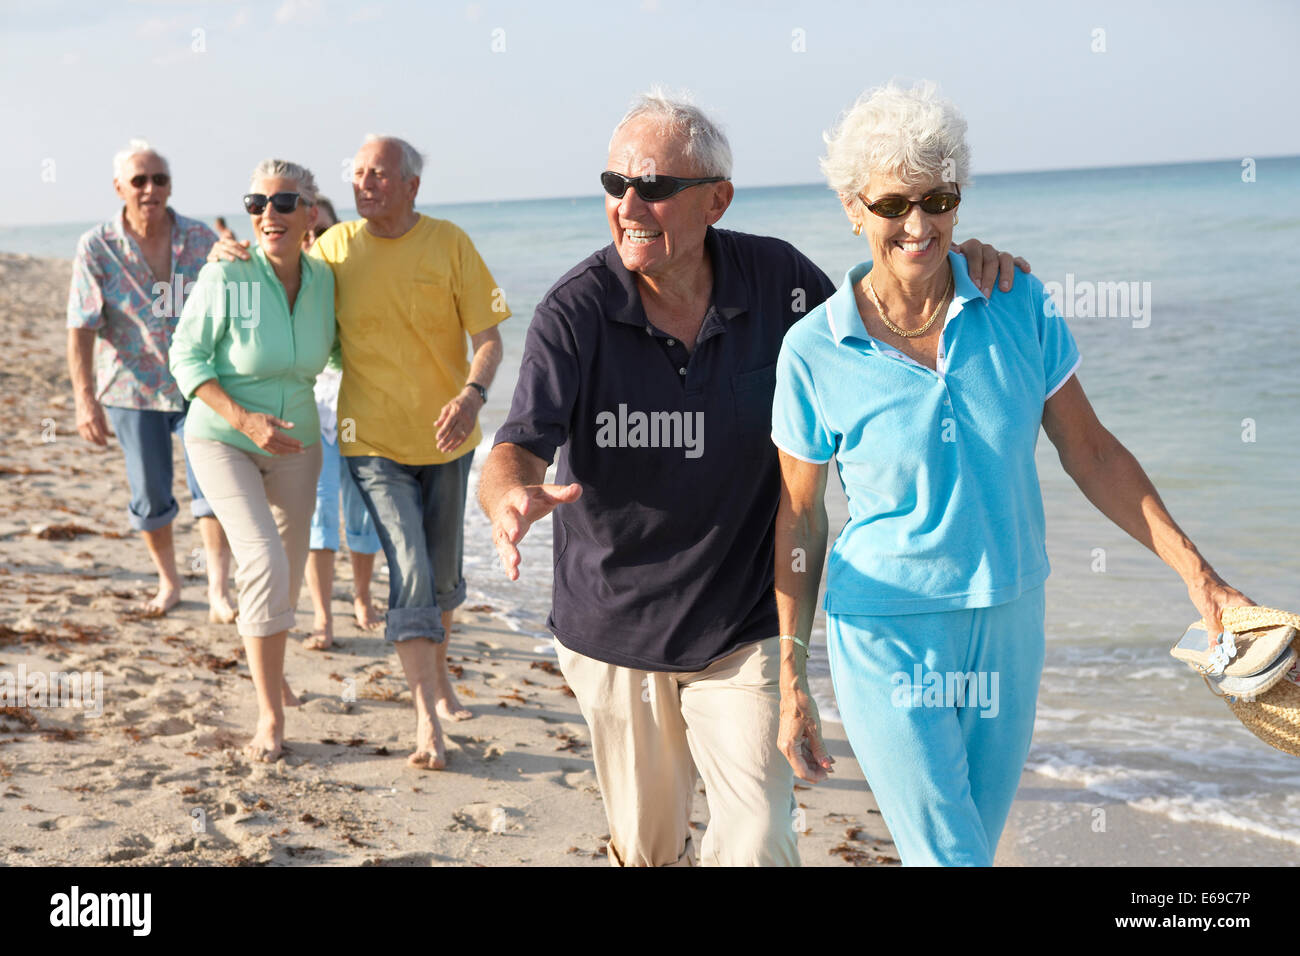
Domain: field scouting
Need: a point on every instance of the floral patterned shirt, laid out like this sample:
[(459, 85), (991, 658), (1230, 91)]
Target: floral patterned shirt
[(114, 292)]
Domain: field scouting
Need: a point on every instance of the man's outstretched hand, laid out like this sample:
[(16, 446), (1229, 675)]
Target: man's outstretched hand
[(517, 510)]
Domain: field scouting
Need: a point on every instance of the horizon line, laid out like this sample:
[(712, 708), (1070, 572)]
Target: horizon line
[(596, 195)]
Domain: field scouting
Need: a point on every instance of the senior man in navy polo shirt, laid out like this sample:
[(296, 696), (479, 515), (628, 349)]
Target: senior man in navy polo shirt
[(651, 367)]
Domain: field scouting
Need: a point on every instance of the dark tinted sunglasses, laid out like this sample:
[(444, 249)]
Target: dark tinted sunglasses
[(255, 203), (891, 207), (650, 188), (159, 179)]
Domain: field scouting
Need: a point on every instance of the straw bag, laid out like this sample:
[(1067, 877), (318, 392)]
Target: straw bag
[(1271, 711)]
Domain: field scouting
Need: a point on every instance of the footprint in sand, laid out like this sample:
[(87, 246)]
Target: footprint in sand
[(142, 781), (221, 739), (129, 848), (72, 823), (168, 727), (328, 705), (583, 780), (406, 859), (170, 701), (97, 762), (480, 748), (136, 674), (487, 818)]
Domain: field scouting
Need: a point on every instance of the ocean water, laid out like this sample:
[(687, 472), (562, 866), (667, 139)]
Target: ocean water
[(1197, 376)]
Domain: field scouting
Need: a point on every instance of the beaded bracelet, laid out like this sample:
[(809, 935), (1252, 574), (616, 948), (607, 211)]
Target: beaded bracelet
[(791, 637)]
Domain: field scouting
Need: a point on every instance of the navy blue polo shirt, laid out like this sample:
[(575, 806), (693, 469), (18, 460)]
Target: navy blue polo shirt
[(666, 561)]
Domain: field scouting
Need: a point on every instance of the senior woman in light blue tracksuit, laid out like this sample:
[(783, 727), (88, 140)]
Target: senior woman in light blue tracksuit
[(930, 396)]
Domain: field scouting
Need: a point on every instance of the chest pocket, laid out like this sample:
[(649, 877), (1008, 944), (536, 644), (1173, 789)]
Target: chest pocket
[(752, 394), (433, 318)]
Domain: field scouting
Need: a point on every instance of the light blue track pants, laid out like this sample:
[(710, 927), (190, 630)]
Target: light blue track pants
[(939, 710)]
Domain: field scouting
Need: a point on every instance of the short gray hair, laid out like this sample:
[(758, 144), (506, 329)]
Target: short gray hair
[(412, 158), (283, 169), (707, 148), (134, 148), (912, 134)]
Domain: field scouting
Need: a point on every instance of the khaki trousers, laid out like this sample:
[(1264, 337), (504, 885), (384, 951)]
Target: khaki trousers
[(651, 731), (264, 504)]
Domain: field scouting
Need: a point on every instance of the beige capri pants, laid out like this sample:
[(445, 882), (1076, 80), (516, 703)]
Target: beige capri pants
[(654, 733), (264, 504)]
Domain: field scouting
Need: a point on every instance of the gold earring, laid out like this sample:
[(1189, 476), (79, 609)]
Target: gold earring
[(857, 230), (954, 219)]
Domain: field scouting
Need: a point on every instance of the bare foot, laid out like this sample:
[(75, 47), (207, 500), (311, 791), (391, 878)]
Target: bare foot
[(168, 597), (288, 696), (448, 707), (429, 751), (267, 745), (220, 610), (367, 617), (321, 637)]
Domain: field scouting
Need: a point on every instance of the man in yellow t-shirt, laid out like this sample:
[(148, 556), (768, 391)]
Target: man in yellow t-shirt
[(409, 292)]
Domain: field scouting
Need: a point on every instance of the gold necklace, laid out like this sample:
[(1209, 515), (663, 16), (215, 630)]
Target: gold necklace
[(915, 332)]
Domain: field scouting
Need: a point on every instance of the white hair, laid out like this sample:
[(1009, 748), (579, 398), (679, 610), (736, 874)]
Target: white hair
[(912, 134), (706, 147), (412, 158), (282, 169), (134, 148)]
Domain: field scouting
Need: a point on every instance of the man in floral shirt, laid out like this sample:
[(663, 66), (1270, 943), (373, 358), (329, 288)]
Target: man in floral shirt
[(129, 279)]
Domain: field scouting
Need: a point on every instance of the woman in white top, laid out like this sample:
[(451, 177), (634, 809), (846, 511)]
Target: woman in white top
[(335, 479)]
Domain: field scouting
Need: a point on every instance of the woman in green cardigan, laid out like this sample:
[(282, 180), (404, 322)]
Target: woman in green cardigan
[(252, 338)]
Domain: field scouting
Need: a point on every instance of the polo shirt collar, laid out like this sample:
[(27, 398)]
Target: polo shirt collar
[(730, 294), (842, 307)]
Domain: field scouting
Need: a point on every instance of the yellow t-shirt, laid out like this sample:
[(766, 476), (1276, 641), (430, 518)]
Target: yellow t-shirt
[(405, 309)]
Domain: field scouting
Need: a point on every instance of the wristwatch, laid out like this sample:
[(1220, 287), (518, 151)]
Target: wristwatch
[(482, 392)]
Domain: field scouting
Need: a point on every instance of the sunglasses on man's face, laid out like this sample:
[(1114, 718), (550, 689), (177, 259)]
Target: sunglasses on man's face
[(891, 207), (158, 179), (255, 203), (651, 188)]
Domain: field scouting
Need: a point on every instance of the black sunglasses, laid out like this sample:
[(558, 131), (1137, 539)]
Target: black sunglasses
[(891, 207), (159, 179), (255, 203), (651, 188)]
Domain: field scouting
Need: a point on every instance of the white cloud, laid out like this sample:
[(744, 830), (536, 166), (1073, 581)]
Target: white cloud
[(364, 14), (155, 28), (173, 56), (292, 10)]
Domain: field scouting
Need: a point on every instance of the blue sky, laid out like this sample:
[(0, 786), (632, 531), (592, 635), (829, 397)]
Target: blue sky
[(517, 99)]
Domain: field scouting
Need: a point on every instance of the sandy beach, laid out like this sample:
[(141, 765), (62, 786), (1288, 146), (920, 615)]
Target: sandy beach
[(158, 778)]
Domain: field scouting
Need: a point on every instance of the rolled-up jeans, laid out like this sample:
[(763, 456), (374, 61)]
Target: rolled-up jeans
[(419, 512), (146, 439), (336, 479)]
